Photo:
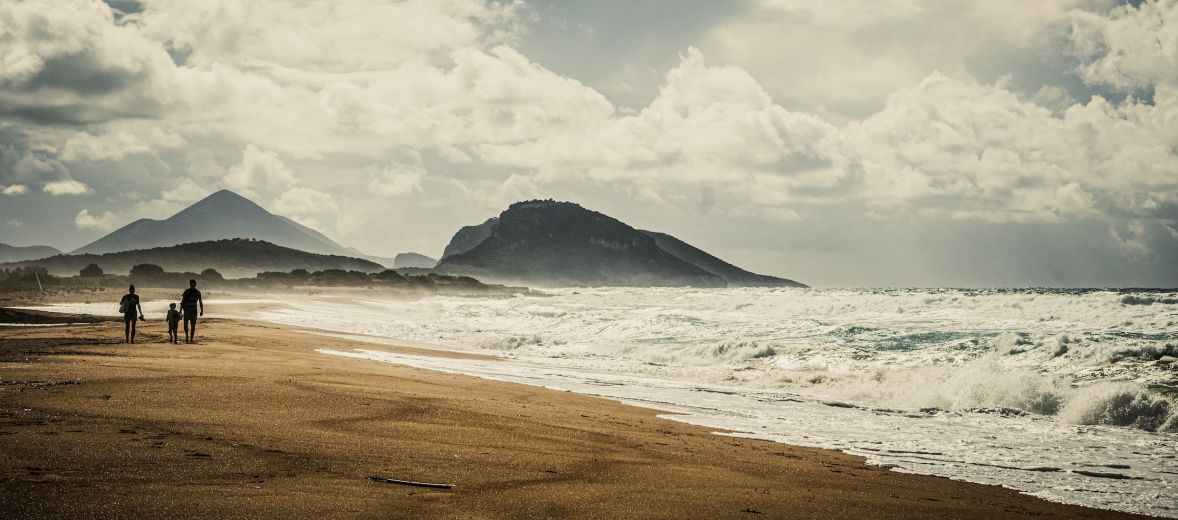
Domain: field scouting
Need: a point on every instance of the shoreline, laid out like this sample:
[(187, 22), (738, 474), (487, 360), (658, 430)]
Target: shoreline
[(511, 450)]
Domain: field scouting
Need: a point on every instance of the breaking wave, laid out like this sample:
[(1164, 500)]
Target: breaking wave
[(1122, 405), (1081, 357)]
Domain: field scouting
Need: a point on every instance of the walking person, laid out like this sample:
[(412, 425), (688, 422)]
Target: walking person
[(174, 317), (129, 306), (189, 302)]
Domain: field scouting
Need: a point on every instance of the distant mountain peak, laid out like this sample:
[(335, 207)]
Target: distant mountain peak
[(222, 214), (543, 203), (225, 194), (554, 242), (10, 253), (549, 242), (224, 199)]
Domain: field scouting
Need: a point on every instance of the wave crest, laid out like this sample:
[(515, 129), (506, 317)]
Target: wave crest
[(1121, 406)]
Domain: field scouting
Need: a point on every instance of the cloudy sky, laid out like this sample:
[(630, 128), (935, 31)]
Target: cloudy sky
[(859, 142)]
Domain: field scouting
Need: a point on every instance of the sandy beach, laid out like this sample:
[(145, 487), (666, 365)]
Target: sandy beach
[(253, 423)]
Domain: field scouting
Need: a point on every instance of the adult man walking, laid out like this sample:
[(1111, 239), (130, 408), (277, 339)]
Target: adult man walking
[(189, 302), (128, 305)]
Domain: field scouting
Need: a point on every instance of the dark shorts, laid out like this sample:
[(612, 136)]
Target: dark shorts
[(130, 316), (190, 315)]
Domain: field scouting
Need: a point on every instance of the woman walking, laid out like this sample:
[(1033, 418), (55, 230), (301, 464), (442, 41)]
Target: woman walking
[(129, 306)]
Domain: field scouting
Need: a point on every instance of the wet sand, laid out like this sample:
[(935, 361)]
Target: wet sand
[(252, 423)]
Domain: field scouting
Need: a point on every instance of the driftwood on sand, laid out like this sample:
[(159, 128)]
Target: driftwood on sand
[(385, 480)]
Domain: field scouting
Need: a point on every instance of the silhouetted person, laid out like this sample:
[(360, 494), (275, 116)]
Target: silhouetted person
[(189, 302), (174, 317), (129, 306)]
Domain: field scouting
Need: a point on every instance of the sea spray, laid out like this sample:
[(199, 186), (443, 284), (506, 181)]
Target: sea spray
[(1121, 405), (982, 384)]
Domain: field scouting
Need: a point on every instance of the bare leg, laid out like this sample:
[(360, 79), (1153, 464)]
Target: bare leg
[(126, 331), (194, 331), (132, 324), (187, 336)]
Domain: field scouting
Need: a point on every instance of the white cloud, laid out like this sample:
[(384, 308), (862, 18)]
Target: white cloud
[(944, 148), (202, 164), (845, 58), (259, 172), (1134, 48), (328, 35), (709, 126), (66, 187), (33, 165), (15, 222), (104, 222), (971, 151), (15, 189), (66, 60), (397, 181), (477, 96), (304, 201), (308, 207), (116, 140), (184, 191), (1132, 239)]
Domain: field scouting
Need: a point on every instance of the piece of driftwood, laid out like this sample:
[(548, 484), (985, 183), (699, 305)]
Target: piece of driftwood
[(386, 480)]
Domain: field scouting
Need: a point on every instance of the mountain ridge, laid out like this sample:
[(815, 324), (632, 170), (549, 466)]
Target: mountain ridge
[(223, 214), (10, 253), (413, 260), (735, 276), (231, 257), (546, 242), (561, 243), (467, 237)]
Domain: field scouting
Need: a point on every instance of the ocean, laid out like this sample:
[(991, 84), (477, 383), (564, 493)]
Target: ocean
[(1069, 395)]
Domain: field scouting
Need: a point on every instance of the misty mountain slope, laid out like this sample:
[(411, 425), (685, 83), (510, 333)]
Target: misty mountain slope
[(418, 260), (735, 276), (469, 236), (17, 253), (221, 215), (233, 258), (563, 244)]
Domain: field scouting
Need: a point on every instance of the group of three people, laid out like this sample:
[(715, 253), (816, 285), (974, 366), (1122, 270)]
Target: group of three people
[(190, 302)]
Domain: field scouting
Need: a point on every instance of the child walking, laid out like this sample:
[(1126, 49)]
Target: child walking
[(173, 323)]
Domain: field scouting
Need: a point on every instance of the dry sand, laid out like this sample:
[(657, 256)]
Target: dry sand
[(252, 423)]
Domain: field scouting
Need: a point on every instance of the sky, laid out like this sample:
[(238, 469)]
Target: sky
[(855, 143)]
